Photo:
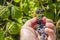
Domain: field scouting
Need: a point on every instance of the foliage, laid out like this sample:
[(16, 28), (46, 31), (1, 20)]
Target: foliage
[(1, 34), (14, 13)]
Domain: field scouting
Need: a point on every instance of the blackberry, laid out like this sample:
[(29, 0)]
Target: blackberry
[(39, 11)]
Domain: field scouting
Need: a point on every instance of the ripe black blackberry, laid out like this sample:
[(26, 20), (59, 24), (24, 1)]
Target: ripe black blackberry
[(39, 11)]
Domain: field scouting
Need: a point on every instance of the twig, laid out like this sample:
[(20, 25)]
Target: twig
[(4, 2), (11, 1)]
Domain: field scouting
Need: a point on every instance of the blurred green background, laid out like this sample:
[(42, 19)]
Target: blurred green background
[(14, 13)]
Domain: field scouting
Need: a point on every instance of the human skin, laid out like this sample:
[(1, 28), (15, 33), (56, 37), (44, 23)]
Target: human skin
[(28, 32)]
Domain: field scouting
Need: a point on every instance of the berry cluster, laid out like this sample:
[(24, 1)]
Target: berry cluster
[(40, 27)]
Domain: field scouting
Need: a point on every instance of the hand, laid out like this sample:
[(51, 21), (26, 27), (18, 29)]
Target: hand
[(28, 32)]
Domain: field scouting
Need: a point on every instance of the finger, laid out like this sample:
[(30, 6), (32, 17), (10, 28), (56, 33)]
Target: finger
[(49, 20), (50, 25), (44, 20), (31, 22), (50, 33)]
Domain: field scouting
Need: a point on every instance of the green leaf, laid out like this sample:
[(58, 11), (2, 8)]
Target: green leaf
[(13, 28), (50, 14), (9, 38), (1, 34), (17, 1), (1, 7), (58, 0), (5, 13), (15, 13)]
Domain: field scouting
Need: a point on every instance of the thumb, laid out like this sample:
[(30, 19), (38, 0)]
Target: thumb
[(31, 23)]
